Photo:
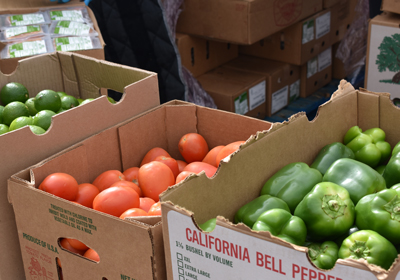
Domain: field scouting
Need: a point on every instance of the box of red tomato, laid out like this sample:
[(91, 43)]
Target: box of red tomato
[(62, 236)]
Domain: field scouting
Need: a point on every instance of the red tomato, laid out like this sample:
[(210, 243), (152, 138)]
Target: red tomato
[(199, 166), (182, 176), (77, 244), (153, 153), (193, 147), (86, 193), (107, 178), (128, 184), (67, 246), (146, 203), (154, 178), (155, 209), (170, 162), (227, 150), (133, 212), (116, 200), (211, 156), (181, 164), (60, 184), (92, 255), (131, 174)]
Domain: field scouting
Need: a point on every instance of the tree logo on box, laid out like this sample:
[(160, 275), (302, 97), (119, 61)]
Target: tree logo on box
[(36, 271), (389, 57), (287, 11)]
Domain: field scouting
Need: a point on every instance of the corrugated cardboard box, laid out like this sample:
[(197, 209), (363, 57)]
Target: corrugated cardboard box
[(7, 66), (298, 43), (330, 3), (316, 73), (282, 79), (391, 6), (382, 67), (243, 21), (236, 91), (343, 15), (126, 249), (235, 251), (200, 55), (79, 76)]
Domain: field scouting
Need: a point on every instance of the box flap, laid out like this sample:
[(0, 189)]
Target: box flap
[(387, 19)]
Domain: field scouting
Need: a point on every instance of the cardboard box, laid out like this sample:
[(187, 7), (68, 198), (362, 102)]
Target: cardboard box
[(330, 3), (79, 76), (391, 6), (343, 15), (382, 68), (235, 251), (133, 249), (298, 43), (243, 21), (316, 73), (200, 55), (7, 66), (282, 79), (236, 91)]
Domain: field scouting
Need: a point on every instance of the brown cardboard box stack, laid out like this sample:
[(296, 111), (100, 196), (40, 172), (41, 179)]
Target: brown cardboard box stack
[(381, 74), (297, 34)]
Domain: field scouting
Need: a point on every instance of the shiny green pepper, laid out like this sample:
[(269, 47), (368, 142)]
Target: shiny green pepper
[(340, 239), (391, 174), (292, 182), (323, 255), (249, 212), (282, 224), (369, 146), (327, 211), (381, 212), (369, 245), (356, 177), (329, 154), (209, 225)]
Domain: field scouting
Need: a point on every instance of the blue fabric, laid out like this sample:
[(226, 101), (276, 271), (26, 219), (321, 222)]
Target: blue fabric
[(60, 1)]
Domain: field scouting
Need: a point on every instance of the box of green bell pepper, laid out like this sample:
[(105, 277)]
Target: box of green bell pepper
[(341, 219)]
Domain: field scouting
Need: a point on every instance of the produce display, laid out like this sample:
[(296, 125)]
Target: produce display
[(339, 206), (19, 110)]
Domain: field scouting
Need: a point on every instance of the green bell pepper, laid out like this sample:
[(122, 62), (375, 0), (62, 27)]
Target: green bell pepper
[(292, 182), (209, 225), (380, 169), (327, 211), (249, 212), (340, 239), (329, 154), (369, 245), (381, 212), (282, 224), (369, 146), (323, 255), (356, 177), (391, 174)]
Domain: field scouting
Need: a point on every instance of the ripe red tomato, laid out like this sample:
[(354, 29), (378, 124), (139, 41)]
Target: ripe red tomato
[(78, 245), (67, 246), (154, 178), (92, 255), (116, 200), (181, 164), (131, 174), (86, 193), (146, 203), (211, 156), (227, 150), (60, 184), (133, 212), (193, 147), (107, 178), (129, 185), (155, 209), (170, 162), (199, 166), (182, 176), (152, 154)]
